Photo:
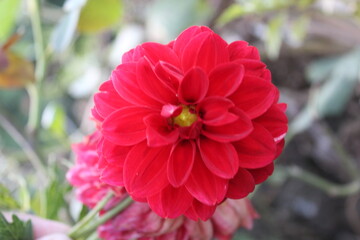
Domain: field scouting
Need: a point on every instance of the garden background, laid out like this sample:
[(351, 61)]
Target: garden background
[(54, 56)]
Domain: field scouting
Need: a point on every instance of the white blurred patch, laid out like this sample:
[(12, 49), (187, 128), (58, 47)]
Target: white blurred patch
[(129, 37), (86, 84), (71, 5)]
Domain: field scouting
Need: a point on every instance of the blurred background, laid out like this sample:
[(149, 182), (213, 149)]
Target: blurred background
[(54, 54)]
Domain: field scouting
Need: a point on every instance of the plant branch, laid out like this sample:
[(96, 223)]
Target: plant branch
[(90, 216), (104, 218), (26, 147), (330, 188), (40, 69)]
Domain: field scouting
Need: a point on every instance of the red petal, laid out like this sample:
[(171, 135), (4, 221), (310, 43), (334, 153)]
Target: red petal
[(171, 202), (282, 106), (193, 87), (156, 52), (261, 174), (133, 55), (220, 158), (183, 39), (112, 174), (215, 111), (256, 150), (200, 211), (181, 162), (170, 110), (126, 126), (266, 75), (152, 86), (254, 96), (168, 74), (113, 153), (241, 185), (204, 185), (241, 50), (205, 50), (107, 102), (159, 132), (145, 170), (125, 83), (230, 132), (252, 67), (225, 79), (275, 121)]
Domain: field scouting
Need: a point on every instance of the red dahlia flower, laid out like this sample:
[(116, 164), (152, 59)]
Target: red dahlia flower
[(188, 124), (138, 221)]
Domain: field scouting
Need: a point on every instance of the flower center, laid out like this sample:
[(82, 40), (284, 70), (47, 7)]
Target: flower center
[(186, 118)]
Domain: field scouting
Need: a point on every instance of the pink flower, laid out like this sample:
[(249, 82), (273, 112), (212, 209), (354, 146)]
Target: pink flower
[(188, 124), (138, 221), (84, 176)]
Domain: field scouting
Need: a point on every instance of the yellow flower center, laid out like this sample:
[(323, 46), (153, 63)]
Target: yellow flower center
[(186, 118)]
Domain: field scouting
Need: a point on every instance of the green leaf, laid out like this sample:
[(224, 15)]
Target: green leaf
[(48, 204), (274, 36), (6, 200), (233, 12), (16, 230), (8, 11), (54, 119), (99, 15), (299, 29)]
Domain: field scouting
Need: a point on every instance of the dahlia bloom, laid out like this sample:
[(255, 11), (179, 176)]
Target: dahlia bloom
[(84, 175), (138, 221), (186, 125)]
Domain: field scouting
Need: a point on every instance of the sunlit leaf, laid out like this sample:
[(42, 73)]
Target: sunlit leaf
[(8, 11), (233, 12), (99, 15), (6, 200), (305, 3), (15, 71), (298, 30), (54, 119)]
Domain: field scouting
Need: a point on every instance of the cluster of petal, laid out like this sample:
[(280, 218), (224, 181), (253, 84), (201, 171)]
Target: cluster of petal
[(138, 221), (189, 124)]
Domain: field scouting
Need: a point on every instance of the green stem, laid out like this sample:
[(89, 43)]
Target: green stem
[(34, 107), (330, 188), (90, 216), (88, 230), (40, 69)]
